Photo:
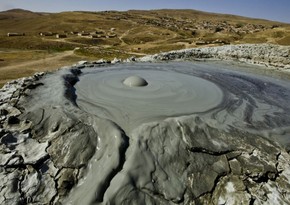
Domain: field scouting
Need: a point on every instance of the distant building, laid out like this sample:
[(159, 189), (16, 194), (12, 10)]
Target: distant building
[(61, 35), (84, 34), (98, 36), (95, 36), (201, 43), (111, 35), (15, 34), (99, 32), (46, 34)]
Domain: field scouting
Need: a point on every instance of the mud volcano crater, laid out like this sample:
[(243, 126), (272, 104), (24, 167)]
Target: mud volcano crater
[(176, 115), (119, 94), (153, 133)]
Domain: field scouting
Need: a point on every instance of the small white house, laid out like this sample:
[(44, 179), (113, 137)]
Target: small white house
[(61, 36), (15, 34), (84, 34)]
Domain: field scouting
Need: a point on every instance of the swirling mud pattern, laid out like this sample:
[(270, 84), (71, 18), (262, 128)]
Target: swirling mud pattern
[(177, 119), (167, 94), (178, 89)]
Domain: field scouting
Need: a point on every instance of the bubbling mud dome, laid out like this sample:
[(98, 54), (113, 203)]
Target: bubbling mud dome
[(135, 81)]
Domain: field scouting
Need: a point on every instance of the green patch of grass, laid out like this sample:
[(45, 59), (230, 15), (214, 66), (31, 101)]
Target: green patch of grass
[(34, 43), (181, 41), (17, 73), (86, 41), (285, 41), (250, 39), (162, 48), (95, 41), (13, 56), (138, 39), (105, 53), (146, 34), (240, 25), (13, 74), (278, 34)]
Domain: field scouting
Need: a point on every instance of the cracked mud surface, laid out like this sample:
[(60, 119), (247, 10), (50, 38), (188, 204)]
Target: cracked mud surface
[(234, 152)]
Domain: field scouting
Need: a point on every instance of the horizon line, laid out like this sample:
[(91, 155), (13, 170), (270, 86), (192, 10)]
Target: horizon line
[(203, 11)]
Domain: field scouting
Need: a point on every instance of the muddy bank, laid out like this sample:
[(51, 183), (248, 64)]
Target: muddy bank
[(196, 134)]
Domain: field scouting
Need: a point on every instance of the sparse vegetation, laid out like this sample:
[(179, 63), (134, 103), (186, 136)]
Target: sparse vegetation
[(34, 43), (162, 48), (239, 25), (121, 34), (284, 41), (99, 52)]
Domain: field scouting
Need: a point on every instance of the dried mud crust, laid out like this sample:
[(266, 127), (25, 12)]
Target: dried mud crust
[(273, 56), (48, 148)]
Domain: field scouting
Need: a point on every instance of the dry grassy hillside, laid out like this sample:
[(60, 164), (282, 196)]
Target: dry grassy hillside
[(119, 34)]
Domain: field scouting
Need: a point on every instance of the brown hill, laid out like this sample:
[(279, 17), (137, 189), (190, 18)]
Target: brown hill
[(139, 27), (110, 34), (18, 14)]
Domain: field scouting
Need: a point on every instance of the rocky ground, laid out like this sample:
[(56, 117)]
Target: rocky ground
[(263, 54), (47, 147)]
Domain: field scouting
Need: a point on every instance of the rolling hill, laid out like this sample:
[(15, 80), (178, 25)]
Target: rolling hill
[(110, 34)]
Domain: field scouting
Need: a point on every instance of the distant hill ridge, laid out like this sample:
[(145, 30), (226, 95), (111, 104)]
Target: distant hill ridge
[(121, 34), (138, 30), (19, 10), (18, 14), (181, 12)]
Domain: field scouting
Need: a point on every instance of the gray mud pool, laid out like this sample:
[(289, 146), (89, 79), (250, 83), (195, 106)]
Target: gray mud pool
[(149, 133), (210, 90)]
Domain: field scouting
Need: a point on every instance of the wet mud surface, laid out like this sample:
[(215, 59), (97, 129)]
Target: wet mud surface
[(197, 133), (178, 89)]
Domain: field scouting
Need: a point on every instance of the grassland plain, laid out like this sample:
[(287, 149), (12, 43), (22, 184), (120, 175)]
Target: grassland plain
[(110, 34)]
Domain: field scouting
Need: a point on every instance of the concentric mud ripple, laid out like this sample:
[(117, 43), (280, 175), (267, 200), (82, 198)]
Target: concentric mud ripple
[(210, 111), (177, 89), (168, 93)]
